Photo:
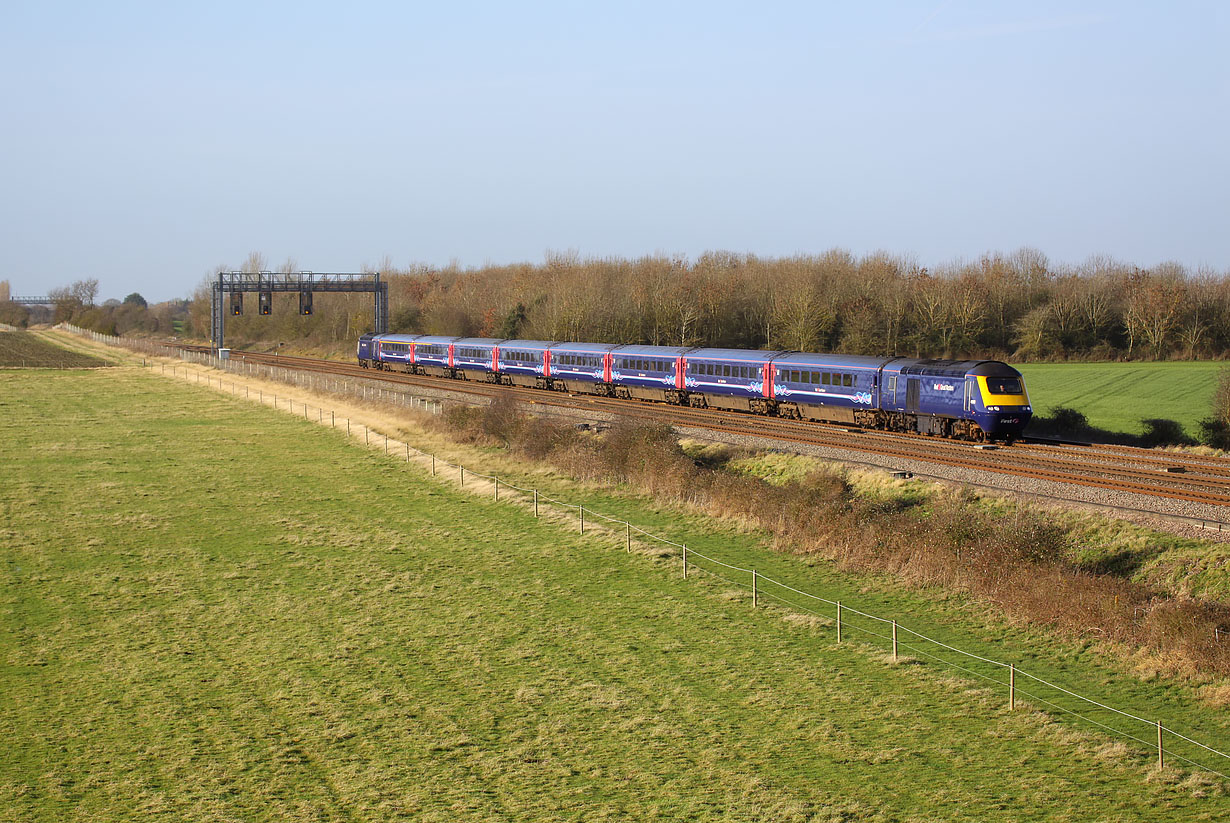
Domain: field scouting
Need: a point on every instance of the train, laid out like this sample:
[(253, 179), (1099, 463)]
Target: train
[(975, 400)]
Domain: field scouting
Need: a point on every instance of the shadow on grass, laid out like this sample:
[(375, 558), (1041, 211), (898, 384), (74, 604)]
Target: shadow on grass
[(1124, 563), (1071, 424)]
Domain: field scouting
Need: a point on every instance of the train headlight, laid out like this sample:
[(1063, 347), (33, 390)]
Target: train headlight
[(992, 408)]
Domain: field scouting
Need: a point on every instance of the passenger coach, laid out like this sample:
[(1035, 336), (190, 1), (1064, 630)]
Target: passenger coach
[(968, 399)]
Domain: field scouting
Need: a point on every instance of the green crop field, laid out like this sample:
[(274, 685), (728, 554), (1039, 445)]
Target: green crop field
[(213, 611), (22, 349), (1117, 396)]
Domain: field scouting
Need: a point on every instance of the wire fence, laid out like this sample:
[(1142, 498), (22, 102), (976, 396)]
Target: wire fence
[(1017, 687)]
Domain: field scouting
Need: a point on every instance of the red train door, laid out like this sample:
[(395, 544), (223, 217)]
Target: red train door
[(681, 369), (495, 359), (770, 372), (606, 367), (411, 360), (546, 362), (450, 355)]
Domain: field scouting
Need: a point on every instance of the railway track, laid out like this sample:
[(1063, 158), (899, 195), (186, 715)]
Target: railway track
[(1183, 477)]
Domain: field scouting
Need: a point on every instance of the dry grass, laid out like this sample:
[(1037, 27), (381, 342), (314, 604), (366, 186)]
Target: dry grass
[(1014, 557)]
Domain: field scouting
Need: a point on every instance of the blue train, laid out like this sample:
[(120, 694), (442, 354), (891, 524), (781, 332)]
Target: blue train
[(965, 399)]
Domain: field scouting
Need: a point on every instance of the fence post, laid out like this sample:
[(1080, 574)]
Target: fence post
[(433, 465), (629, 525), (386, 444), (582, 510), (894, 641), (1011, 686), (366, 436), (332, 419), (1161, 757), (754, 593), (497, 490), (348, 427), (685, 562), (838, 621), (462, 475), (535, 502)]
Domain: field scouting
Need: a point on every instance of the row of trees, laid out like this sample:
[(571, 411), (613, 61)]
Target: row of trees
[(1015, 306), (76, 303), (1018, 306)]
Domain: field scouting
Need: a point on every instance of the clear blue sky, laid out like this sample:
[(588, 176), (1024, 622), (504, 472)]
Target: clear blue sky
[(146, 143)]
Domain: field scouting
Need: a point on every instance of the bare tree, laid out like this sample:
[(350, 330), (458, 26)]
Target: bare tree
[(85, 291), (1153, 313)]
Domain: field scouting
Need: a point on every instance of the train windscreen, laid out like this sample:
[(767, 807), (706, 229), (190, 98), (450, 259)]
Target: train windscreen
[(1004, 385)]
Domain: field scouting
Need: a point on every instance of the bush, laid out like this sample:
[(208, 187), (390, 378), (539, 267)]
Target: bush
[(1215, 433), (1160, 431), (1065, 419), (502, 420)]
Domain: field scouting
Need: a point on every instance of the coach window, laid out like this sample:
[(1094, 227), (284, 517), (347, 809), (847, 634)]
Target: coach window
[(847, 380)]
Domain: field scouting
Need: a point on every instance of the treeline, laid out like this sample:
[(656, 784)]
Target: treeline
[(1018, 307), (76, 303)]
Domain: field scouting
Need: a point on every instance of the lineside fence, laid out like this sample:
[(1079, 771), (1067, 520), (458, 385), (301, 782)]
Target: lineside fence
[(1018, 688)]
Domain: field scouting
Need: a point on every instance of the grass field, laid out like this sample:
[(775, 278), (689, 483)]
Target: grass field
[(214, 611), (20, 349), (1116, 396)]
